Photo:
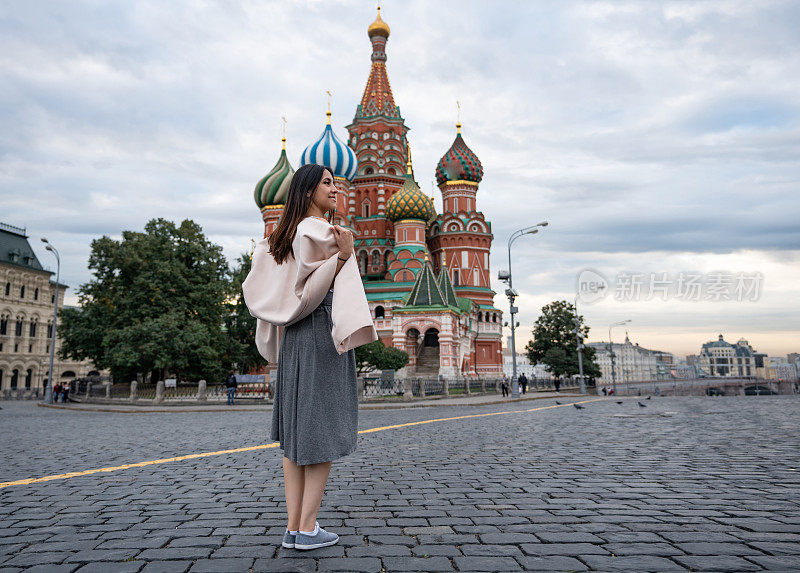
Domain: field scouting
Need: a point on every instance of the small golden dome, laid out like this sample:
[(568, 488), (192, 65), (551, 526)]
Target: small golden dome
[(378, 27)]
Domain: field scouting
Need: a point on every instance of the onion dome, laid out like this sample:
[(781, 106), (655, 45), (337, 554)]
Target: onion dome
[(410, 202), (459, 163), (273, 187), (378, 27), (329, 151)]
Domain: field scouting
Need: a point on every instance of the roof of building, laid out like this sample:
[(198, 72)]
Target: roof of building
[(330, 151), (16, 250), (459, 163), (273, 187)]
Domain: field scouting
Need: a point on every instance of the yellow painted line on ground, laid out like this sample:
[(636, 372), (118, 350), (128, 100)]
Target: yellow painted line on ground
[(266, 446)]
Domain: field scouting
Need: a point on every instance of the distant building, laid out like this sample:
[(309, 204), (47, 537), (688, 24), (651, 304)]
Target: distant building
[(721, 358), (632, 363), (27, 296), (523, 365)]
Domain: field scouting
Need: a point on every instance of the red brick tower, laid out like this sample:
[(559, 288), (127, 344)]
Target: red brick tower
[(378, 136)]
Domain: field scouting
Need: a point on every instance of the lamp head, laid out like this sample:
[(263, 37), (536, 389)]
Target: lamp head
[(532, 232), (44, 240), (542, 224)]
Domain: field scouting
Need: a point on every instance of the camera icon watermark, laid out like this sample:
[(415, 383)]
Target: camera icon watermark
[(716, 286)]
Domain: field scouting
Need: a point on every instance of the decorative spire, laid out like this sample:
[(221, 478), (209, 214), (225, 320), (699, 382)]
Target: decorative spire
[(458, 120), (409, 169), (378, 98), (328, 113), (283, 136)]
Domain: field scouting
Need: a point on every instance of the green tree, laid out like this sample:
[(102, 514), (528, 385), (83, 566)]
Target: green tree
[(156, 304), (239, 323), (554, 343), (376, 355)]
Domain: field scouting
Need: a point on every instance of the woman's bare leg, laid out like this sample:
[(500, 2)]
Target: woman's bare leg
[(293, 483), (315, 479)]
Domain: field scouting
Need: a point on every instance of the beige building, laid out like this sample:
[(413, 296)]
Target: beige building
[(27, 296), (632, 363), (721, 358)]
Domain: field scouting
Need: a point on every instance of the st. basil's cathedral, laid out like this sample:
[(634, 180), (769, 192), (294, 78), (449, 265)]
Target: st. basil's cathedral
[(426, 275)]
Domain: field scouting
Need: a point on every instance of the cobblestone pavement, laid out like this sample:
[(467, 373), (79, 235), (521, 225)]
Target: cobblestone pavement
[(708, 484)]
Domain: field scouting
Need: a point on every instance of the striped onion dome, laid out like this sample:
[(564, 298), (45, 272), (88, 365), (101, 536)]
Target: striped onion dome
[(329, 151), (273, 187), (410, 202), (459, 163)]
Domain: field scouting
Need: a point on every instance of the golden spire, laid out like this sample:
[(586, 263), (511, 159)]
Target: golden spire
[(408, 163), (283, 140), (458, 124), (328, 113)]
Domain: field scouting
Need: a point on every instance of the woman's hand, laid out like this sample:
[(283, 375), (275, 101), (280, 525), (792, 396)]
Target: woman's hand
[(344, 238)]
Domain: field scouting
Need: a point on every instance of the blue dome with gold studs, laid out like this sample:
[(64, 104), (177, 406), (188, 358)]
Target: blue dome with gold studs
[(410, 202)]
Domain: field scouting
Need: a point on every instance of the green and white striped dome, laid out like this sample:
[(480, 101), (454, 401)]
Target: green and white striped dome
[(273, 187)]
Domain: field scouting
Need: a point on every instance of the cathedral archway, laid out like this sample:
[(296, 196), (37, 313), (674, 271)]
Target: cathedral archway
[(428, 359)]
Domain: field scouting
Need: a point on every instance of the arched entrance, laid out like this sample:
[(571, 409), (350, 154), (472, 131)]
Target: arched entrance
[(428, 358)]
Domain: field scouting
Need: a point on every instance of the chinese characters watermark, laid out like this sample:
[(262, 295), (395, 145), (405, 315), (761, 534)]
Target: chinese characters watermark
[(714, 286)]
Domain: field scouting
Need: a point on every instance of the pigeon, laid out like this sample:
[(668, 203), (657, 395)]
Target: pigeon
[(648, 398), (619, 401), (557, 402), (578, 406), (641, 405)]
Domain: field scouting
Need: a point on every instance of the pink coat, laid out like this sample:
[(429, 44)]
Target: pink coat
[(280, 295)]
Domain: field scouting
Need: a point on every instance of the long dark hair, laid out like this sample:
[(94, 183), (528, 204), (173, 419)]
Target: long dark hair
[(298, 201)]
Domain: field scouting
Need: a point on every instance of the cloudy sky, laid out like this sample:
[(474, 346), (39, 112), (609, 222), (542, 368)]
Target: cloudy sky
[(654, 137)]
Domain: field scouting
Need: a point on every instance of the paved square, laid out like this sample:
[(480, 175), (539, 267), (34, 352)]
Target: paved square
[(705, 484)]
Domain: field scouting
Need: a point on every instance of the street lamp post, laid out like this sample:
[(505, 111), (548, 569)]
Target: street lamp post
[(512, 294), (579, 338), (613, 356), (48, 391)]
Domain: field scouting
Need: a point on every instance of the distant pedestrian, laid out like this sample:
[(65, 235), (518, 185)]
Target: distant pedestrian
[(504, 385), (65, 391), (56, 392), (230, 385), (605, 391), (557, 384), (523, 382)]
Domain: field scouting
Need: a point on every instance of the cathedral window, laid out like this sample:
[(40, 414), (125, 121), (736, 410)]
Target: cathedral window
[(8, 288), (36, 294), (22, 291), (376, 259), (379, 312), (455, 278), (365, 209), (18, 327)]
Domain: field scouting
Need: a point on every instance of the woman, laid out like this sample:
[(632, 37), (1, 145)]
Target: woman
[(305, 290)]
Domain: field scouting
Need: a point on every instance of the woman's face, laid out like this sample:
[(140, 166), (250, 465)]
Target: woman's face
[(325, 193)]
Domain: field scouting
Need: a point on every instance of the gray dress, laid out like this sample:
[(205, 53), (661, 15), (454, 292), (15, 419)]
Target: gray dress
[(315, 409)]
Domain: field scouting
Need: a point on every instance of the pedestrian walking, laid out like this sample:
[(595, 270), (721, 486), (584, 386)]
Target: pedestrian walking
[(305, 289), (605, 391), (56, 392), (230, 387), (556, 384), (65, 388), (523, 382), (504, 385)]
